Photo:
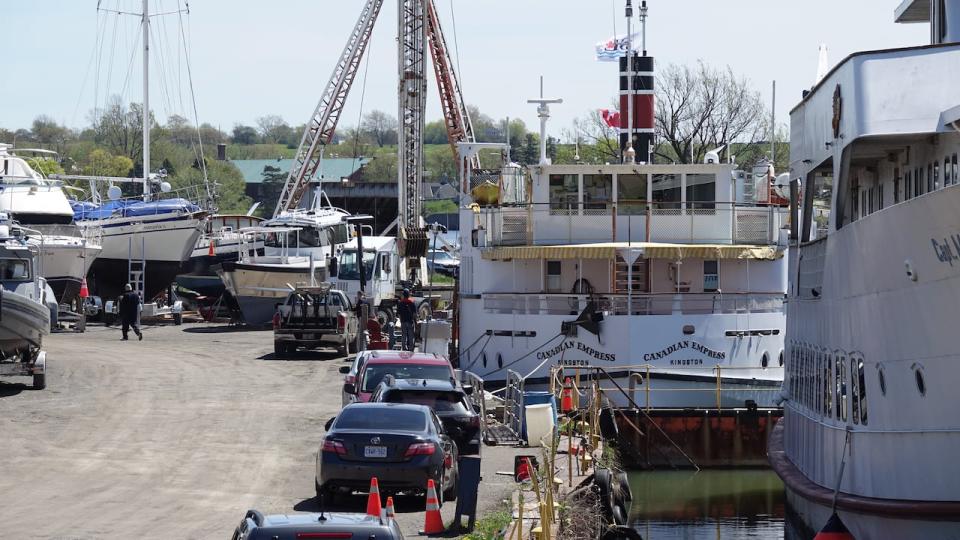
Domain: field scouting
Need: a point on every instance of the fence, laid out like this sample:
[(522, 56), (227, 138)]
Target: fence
[(674, 222), (637, 304)]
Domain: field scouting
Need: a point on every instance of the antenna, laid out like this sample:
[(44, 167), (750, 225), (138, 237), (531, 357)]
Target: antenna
[(543, 111), (643, 24)]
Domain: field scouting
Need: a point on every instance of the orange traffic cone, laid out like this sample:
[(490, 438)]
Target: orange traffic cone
[(433, 521), (84, 291), (210, 249), (391, 514), (373, 500), (834, 530), (566, 398)]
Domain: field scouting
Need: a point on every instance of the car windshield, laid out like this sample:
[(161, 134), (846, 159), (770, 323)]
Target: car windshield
[(375, 373), (439, 401), (441, 256), (347, 265), (14, 269), (383, 418)]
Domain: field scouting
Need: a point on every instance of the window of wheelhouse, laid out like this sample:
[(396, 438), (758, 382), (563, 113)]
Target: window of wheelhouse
[(896, 185), (711, 276), (701, 193), (564, 193), (947, 174), (666, 192), (840, 388), (931, 184), (936, 175), (863, 391), (15, 270), (631, 194), (953, 167), (828, 387), (597, 193), (918, 182), (908, 186)]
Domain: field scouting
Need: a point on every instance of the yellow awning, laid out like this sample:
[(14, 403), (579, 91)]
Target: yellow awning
[(649, 250)]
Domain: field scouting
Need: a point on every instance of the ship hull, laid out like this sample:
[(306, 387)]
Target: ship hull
[(258, 288), (23, 323)]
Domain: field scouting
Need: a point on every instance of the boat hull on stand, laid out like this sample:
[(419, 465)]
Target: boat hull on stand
[(259, 287), (23, 321), (64, 262), (163, 241)]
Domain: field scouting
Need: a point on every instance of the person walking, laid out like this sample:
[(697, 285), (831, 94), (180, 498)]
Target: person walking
[(130, 312), (407, 312)]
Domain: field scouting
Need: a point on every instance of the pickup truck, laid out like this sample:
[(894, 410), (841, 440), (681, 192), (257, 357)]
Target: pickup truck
[(314, 316)]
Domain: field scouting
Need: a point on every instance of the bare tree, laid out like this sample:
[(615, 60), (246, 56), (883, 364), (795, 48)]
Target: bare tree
[(701, 108), (380, 127), (119, 128), (274, 129), (600, 142)]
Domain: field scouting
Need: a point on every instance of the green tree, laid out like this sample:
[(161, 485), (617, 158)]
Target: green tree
[(270, 189), (244, 134), (45, 166), (102, 163), (229, 186), (382, 168)]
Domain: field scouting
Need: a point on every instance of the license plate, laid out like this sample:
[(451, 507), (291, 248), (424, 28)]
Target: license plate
[(375, 451)]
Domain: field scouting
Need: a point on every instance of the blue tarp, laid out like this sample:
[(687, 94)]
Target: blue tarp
[(88, 210)]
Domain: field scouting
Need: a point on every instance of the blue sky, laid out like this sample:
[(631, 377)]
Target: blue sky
[(254, 58)]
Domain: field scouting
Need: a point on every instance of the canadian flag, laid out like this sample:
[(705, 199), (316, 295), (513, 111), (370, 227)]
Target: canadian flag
[(612, 118)]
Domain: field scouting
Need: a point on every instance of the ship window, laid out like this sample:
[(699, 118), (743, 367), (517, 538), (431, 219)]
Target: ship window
[(711, 276), (840, 372), (896, 186), (564, 192), (765, 360), (953, 166), (882, 380), (597, 193), (931, 183), (818, 389), (827, 387), (864, 205), (921, 384), (947, 176), (553, 276), (918, 182), (701, 192), (936, 175), (908, 186), (781, 359), (863, 392), (631, 194), (666, 192), (880, 197), (855, 391)]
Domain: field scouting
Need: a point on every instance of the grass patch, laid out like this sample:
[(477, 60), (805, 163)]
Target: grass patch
[(490, 526), (442, 279)]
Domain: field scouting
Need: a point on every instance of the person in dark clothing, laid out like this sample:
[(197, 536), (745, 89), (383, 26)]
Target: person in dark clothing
[(407, 311), (130, 312)]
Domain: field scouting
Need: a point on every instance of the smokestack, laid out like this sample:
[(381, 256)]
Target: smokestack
[(221, 152), (636, 97)]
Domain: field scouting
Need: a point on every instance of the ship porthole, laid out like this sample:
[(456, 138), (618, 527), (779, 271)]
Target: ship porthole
[(499, 361), (765, 360), (921, 384), (882, 380), (781, 359), (484, 359)]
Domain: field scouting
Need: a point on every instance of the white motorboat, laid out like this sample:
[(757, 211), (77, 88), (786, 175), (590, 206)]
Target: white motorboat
[(870, 425), (41, 207), (24, 309), (219, 243), (296, 248)]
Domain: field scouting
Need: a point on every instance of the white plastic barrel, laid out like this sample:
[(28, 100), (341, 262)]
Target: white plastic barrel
[(539, 422)]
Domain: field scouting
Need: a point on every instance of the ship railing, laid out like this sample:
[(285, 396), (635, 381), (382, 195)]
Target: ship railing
[(690, 222), (195, 194), (640, 394), (513, 410), (636, 304)]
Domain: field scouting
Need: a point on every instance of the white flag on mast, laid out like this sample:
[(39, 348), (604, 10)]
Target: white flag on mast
[(614, 48)]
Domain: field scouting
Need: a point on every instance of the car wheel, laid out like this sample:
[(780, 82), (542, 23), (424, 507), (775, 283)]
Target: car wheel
[(177, 319), (39, 381), (319, 492), (279, 349)]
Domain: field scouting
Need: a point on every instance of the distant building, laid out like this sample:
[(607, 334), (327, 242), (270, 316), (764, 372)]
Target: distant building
[(334, 169)]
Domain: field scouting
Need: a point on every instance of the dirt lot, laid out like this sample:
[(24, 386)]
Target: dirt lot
[(175, 437)]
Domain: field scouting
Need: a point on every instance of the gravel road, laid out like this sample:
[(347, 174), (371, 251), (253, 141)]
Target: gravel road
[(175, 436)]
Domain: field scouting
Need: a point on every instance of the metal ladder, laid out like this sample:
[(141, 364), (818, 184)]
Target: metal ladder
[(136, 268)]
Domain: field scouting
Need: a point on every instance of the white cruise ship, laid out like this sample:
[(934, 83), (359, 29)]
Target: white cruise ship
[(870, 426)]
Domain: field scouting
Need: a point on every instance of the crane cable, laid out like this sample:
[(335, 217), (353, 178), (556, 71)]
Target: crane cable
[(363, 94)]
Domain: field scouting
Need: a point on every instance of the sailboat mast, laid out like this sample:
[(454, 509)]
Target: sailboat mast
[(146, 99)]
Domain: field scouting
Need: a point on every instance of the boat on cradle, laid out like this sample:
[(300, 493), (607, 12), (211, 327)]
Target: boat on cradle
[(41, 207), (296, 247), (219, 242), (869, 397), (154, 237)]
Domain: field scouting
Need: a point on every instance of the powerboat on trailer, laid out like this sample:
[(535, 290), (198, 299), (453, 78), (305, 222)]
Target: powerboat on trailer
[(220, 242), (25, 307)]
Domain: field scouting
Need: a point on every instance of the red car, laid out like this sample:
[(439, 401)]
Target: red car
[(400, 364)]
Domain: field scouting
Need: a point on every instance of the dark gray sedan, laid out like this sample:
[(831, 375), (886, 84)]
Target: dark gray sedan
[(402, 445)]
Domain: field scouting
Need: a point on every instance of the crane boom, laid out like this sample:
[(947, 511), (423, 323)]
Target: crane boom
[(412, 102), (455, 113), (323, 123)]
